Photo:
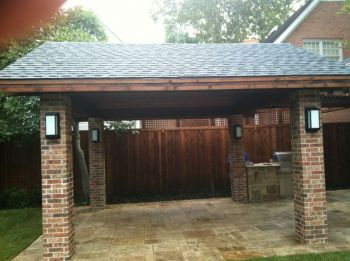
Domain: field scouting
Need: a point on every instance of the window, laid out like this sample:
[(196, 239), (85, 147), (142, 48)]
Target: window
[(332, 49)]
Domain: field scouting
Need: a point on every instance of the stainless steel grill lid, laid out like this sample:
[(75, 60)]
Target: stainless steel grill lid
[(284, 158)]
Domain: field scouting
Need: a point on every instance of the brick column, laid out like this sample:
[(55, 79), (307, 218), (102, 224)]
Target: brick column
[(57, 181), (97, 178), (309, 176), (239, 186)]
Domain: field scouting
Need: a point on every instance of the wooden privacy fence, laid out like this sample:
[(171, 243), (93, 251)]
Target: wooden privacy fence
[(261, 141), (336, 140), (172, 161), (20, 165), (175, 160)]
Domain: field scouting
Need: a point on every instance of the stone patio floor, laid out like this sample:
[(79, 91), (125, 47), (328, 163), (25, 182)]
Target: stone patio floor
[(204, 229)]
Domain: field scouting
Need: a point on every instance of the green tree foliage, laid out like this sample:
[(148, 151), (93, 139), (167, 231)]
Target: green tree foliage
[(346, 10), (346, 6), (19, 116), (121, 126), (220, 21)]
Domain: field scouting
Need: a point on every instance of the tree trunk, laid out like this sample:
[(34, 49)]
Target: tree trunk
[(80, 160)]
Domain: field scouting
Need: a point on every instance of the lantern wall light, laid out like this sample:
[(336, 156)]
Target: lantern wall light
[(95, 135), (312, 119), (52, 125), (237, 131)]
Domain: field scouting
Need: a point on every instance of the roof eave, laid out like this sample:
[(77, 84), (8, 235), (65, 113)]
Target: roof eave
[(38, 86)]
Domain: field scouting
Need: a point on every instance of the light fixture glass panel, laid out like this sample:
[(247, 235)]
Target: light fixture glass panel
[(51, 125), (94, 135), (238, 131), (315, 119)]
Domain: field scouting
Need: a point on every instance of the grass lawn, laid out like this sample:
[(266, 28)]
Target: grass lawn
[(18, 229), (334, 256)]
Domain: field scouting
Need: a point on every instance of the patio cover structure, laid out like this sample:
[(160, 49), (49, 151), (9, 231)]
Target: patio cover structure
[(103, 81)]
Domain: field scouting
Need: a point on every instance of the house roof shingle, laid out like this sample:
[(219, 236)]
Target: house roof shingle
[(66, 60)]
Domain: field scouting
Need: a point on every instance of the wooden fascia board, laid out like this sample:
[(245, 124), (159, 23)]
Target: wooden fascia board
[(174, 84)]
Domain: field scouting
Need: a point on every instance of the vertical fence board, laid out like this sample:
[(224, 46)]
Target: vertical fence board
[(260, 142)]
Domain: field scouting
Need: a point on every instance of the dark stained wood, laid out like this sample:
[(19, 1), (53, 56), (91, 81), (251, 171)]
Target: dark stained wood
[(173, 84), (171, 161), (180, 104), (185, 160), (175, 80), (157, 113), (336, 139), (260, 142), (20, 165)]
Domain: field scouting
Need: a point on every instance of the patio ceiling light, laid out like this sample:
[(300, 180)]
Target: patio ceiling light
[(237, 131), (95, 135), (312, 119), (52, 125)]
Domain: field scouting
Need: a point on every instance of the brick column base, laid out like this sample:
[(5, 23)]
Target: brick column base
[(309, 176), (97, 176), (239, 186), (57, 181)]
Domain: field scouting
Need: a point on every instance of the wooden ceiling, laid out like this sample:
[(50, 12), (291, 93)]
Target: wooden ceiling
[(174, 104)]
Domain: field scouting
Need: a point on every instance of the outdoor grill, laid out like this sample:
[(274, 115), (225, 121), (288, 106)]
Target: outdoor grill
[(284, 158)]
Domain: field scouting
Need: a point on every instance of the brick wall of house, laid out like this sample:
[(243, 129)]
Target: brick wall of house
[(324, 22)]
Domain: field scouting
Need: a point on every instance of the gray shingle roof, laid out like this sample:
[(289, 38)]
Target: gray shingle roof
[(63, 60)]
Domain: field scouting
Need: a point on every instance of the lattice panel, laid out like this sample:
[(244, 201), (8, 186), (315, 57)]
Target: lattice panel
[(221, 122), (159, 124), (171, 123), (285, 114), (269, 117), (254, 120)]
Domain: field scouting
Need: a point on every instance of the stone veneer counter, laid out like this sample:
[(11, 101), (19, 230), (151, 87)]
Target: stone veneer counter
[(266, 182)]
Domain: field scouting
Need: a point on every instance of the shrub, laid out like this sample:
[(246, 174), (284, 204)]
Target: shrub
[(19, 198), (35, 198)]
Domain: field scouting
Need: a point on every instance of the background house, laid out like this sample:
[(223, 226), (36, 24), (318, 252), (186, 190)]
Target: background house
[(318, 26)]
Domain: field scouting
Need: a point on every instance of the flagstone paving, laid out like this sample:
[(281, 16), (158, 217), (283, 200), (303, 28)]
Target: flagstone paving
[(201, 229)]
